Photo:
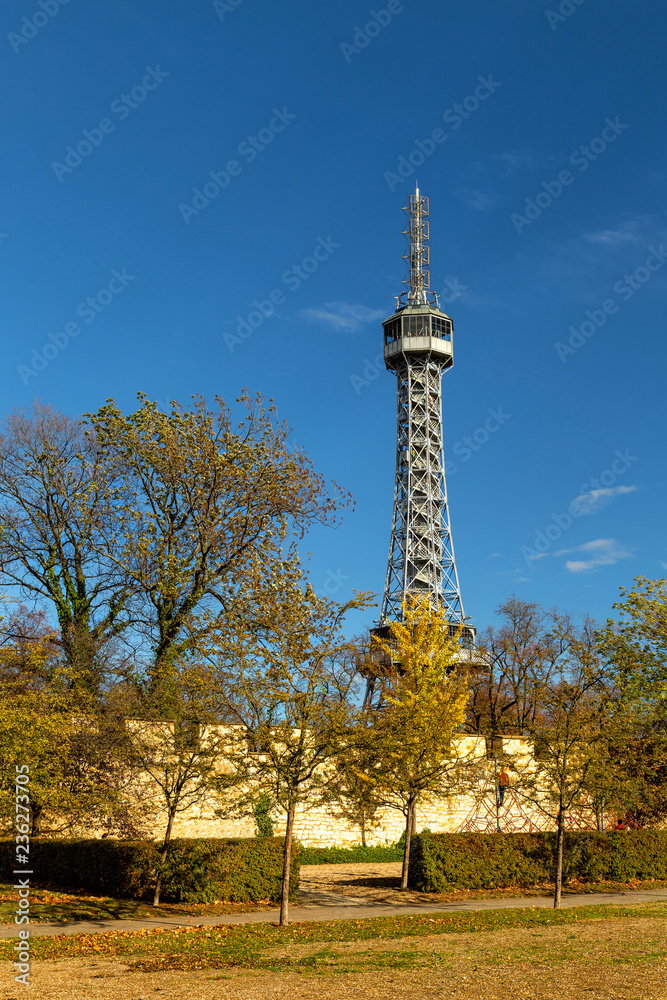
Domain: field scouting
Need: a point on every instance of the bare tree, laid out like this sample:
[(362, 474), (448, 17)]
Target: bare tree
[(515, 665), (571, 734), (52, 523)]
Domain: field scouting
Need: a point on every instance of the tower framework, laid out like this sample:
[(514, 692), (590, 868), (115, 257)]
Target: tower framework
[(418, 348)]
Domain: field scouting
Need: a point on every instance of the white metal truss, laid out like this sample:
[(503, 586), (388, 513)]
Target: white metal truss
[(421, 553)]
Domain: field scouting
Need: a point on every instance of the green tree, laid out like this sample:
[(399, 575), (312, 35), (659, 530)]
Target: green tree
[(291, 684), (177, 748), (55, 726), (641, 630), (201, 494), (635, 648)]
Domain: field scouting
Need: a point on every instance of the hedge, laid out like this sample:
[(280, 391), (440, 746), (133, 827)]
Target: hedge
[(442, 861), (196, 871), (350, 855)]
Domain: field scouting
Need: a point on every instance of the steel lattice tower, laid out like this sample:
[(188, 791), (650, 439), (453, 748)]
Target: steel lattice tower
[(418, 348)]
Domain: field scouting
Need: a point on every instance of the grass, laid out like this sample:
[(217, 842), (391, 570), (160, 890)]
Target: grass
[(269, 947), (53, 905)]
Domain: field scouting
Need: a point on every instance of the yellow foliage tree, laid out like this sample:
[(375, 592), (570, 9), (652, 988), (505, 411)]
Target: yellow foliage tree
[(424, 705)]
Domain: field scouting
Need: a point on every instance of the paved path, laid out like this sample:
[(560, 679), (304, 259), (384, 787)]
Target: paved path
[(329, 911)]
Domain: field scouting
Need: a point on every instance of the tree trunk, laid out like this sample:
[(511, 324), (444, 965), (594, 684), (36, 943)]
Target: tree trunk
[(287, 857), (406, 849), (163, 857), (363, 827), (35, 816), (559, 861)]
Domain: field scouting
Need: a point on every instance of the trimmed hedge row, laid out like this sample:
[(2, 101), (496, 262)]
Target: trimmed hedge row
[(350, 855), (196, 871), (443, 861)]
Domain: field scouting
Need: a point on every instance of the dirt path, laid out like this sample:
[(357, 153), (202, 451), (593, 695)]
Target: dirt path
[(346, 884), (379, 884), (332, 899)]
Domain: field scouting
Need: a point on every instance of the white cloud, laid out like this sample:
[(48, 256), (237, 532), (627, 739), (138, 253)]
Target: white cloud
[(591, 503), (538, 555), (627, 232), (507, 164), (487, 173), (514, 161), (478, 200), (347, 316), (601, 552), (588, 264)]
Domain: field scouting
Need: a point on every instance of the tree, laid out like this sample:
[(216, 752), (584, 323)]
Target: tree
[(635, 648), (511, 675), (352, 791), (585, 700), (412, 736), (515, 664), (642, 628), (179, 748), (29, 654), (291, 685), (571, 736), (52, 480), (55, 726), (131, 526), (202, 494)]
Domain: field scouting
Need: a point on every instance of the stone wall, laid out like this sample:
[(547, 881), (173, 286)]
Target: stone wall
[(324, 826), (475, 808)]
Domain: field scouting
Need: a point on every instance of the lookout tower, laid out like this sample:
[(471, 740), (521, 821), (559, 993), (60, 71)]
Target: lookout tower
[(418, 348)]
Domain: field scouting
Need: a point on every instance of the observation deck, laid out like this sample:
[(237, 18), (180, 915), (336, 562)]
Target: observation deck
[(418, 330)]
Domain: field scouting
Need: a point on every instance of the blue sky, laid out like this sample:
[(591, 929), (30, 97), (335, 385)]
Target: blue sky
[(549, 246)]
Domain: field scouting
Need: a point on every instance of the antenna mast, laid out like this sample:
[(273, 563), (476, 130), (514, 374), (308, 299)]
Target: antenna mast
[(418, 279)]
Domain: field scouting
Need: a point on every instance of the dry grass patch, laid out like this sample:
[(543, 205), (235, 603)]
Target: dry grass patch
[(623, 957)]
